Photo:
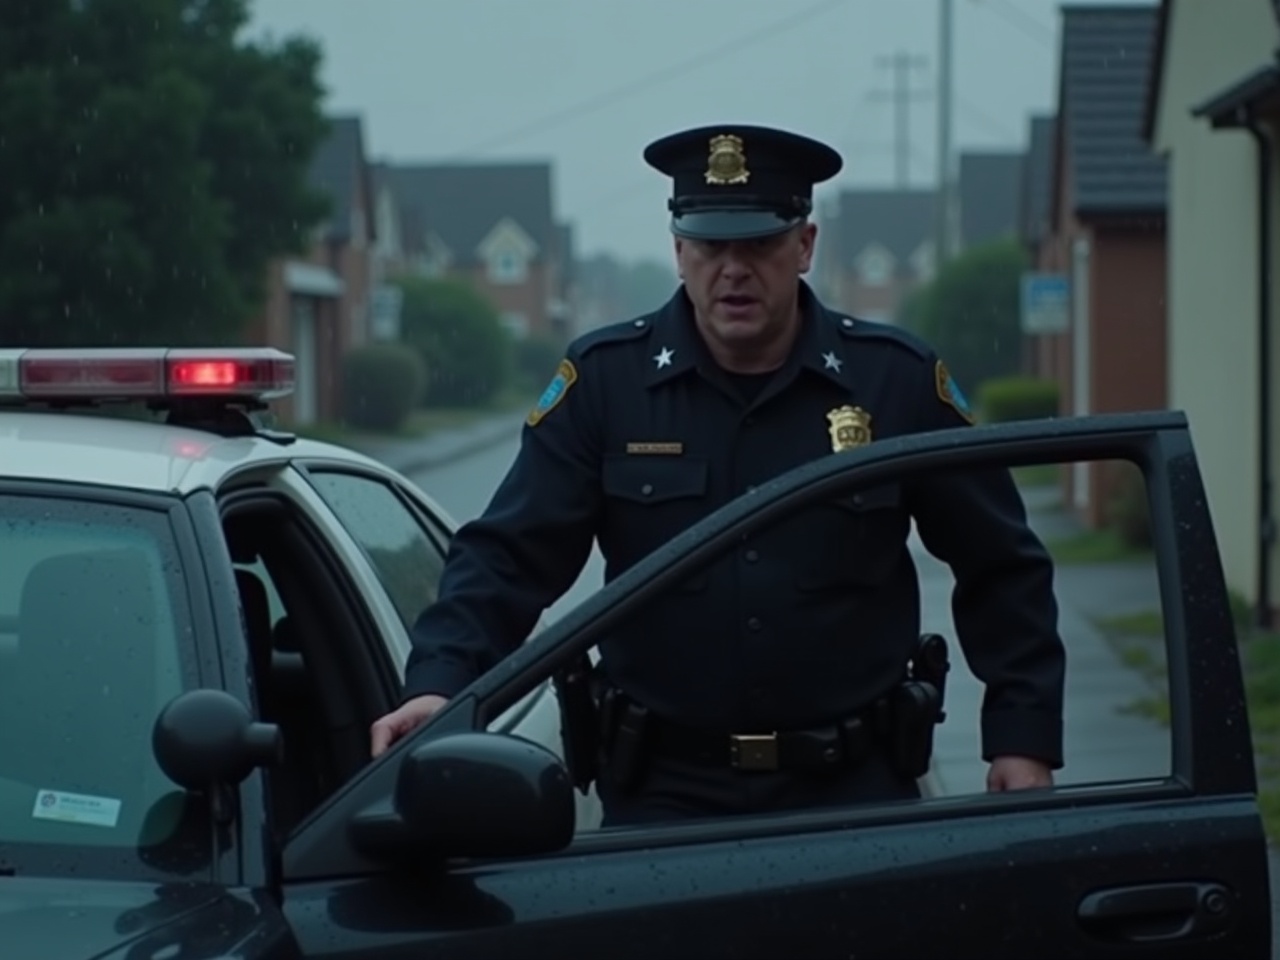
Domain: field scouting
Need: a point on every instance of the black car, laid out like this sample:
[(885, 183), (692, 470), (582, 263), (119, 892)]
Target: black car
[(461, 841)]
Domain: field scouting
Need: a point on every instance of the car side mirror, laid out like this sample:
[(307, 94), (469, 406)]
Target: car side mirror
[(207, 739), (471, 795)]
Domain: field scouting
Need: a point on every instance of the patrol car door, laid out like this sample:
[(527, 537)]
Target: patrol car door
[(1171, 866)]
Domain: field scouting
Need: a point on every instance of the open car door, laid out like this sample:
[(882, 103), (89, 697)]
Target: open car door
[(458, 842)]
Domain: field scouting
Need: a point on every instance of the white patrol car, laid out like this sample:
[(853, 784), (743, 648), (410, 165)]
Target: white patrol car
[(141, 559)]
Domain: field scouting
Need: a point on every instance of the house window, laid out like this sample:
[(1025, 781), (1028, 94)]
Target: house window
[(517, 324), (507, 267), (875, 268)]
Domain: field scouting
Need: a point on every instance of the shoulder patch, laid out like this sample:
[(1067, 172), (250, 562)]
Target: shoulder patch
[(885, 332), (566, 376), (949, 392), (612, 333)]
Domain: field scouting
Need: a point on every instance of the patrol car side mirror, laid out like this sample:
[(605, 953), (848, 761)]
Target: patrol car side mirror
[(471, 795), (204, 740)]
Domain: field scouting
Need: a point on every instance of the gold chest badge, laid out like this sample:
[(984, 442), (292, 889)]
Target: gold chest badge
[(850, 427)]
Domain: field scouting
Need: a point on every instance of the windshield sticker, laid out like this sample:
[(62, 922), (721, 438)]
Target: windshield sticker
[(76, 808)]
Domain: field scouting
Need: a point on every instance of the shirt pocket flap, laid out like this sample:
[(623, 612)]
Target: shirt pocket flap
[(653, 480)]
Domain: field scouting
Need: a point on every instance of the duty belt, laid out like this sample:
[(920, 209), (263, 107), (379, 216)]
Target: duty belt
[(842, 744)]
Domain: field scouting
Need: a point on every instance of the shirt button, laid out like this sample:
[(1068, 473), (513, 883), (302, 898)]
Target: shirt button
[(754, 624), (647, 489), (752, 556)]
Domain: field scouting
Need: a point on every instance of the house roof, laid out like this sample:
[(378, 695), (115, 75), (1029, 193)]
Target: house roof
[(989, 185), (1037, 180), (460, 204), (337, 168), (1256, 91), (1155, 74), (898, 220), (1106, 64)]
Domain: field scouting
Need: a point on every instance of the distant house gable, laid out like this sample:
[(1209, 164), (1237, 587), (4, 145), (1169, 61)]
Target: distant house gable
[(1036, 187), (989, 185), (463, 205), (896, 221), (340, 170)]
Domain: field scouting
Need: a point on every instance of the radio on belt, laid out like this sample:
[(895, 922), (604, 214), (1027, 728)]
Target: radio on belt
[(252, 375)]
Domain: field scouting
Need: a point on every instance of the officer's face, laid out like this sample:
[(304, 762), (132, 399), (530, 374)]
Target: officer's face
[(744, 291)]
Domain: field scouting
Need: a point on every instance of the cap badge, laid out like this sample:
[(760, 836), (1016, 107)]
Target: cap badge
[(726, 164)]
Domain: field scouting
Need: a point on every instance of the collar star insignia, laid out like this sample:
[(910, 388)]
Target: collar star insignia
[(663, 359), (831, 361)]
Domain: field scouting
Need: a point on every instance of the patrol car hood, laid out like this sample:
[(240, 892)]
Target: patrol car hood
[(78, 920)]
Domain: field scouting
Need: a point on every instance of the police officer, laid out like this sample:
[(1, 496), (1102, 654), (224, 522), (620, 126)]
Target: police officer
[(760, 684)]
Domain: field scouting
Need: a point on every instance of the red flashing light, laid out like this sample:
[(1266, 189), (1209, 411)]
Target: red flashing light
[(151, 374)]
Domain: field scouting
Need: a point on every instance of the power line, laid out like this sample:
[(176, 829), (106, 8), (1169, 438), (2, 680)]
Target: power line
[(644, 84), (1020, 20), (901, 63)]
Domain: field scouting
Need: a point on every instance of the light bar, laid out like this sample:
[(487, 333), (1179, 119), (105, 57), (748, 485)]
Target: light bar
[(154, 374)]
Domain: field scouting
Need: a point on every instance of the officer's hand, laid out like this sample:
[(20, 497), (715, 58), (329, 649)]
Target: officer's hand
[(401, 722), (1017, 773)]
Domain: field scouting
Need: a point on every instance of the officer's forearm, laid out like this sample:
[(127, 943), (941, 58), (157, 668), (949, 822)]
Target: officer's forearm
[(1006, 621)]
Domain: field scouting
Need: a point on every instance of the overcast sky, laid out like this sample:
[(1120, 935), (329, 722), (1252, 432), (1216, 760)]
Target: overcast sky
[(587, 83)]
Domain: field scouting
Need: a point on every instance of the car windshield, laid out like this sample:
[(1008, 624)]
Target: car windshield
[(94, 640)]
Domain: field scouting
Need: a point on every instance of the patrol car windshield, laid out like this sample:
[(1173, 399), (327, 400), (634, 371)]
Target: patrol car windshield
[(94, 640)]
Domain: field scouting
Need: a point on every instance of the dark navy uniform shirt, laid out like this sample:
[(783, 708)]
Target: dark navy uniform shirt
[(642, 434)]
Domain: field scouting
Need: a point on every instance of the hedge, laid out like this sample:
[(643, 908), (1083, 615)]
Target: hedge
[(1001, 399), (383, 384)]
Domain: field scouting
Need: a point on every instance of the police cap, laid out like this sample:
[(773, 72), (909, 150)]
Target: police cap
[(740, 182)]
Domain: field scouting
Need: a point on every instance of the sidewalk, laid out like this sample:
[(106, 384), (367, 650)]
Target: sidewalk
[(1103, 742), (444, 446)]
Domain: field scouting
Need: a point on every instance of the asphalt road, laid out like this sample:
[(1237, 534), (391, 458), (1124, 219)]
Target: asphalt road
[(464, 488)]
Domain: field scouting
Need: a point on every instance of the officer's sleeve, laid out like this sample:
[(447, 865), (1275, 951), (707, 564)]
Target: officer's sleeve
[(1005, 611), (506, 567)]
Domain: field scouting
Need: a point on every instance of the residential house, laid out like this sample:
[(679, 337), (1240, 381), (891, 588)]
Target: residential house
[(1214, 74), (317, 304), (988, 188), (876, 248), (1107, 232), (494, 226), (1035, 191)]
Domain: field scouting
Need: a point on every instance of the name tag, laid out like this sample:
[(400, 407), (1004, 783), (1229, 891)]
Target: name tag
[(655, 449)]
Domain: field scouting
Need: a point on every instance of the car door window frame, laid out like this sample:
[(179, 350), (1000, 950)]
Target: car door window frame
[(1158, 443), (437, 529), (425, 524)]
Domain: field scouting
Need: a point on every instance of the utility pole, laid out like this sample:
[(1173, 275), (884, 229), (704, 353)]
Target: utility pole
[(944, 103), (900, 96)]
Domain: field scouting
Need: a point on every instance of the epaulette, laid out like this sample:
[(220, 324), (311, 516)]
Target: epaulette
[(856, 329), (612, 333)]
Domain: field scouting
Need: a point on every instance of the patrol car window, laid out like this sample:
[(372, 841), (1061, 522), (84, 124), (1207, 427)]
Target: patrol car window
[(406, 558), (95, 638)]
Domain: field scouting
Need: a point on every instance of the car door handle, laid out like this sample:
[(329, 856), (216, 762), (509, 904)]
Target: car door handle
[(1157, 911)]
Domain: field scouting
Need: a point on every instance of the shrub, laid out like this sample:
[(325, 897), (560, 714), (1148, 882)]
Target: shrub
[(383, 383), (536, 361), (1017, 398)]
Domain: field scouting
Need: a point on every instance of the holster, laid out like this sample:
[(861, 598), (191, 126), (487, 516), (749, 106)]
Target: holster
[(624, 729), (577, 692), (915, 708)]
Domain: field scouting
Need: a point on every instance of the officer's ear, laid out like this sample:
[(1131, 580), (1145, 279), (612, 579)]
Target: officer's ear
[(808, 232)]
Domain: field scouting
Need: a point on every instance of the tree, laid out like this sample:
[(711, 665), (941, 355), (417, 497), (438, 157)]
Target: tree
[(468, 353), (152, 164), (970, 313)]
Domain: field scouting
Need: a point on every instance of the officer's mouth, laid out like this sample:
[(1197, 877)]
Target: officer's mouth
[(737, 302)]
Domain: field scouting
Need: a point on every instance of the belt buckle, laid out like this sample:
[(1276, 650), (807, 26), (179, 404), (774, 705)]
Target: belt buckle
[(754, 751)]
